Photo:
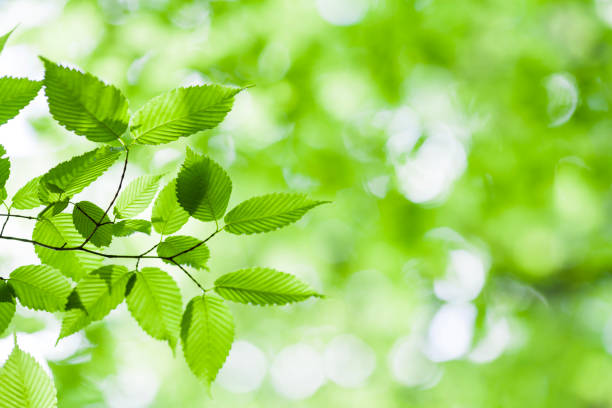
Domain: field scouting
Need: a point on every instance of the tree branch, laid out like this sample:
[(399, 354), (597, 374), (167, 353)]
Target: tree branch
[(127, 153)]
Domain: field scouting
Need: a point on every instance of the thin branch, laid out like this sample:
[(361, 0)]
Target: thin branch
[(127, 153), (64, 248), (188, 274), (8, 217), (28, 217), (145, 253), (196, 245)]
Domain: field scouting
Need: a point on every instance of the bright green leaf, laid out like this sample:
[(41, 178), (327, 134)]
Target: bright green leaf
[(72, 176), (168, 216), (182, 112), (136, 197), (177, 244), (203, 189), (25, 384), (207, 334), (7, 306), (128, 227), (155, 302), (73, 321), (101, 291), (26, 197), (4, 38), (263, 286), (86, 215), (84, 104), (59, 231), (16, 94), (5, 167), (268, 213), (40, 287)]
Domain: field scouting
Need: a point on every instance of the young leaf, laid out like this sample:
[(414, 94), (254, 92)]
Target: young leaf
[(40, 287), (182, 112), (73, 321), (268, 213), (16, 94), (101, 291), (5, 167), (136, 197), (168, 216), (207, 333), (26, 197), (203, 189), (263, 286), (7, 306), (84, 104), (196, 258), (25, 383), (128, 227), (72, 176), (86, 215), (59, 231), (4, 38), (155, 302)]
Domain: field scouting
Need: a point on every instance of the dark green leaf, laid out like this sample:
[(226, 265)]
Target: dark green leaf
[(7, 306), (86, 215), (203, 188)]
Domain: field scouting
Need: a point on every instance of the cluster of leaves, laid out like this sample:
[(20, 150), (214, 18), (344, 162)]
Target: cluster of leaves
[(74, 278)]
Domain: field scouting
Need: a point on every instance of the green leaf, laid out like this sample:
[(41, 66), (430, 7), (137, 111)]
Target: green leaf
[(25, 384), (7, 306), (263, 286), (59, 231), (168, 216), (128, 227), (5, 167), (4, 38), (73, 321), (84, 104), (101, 291), (40, 287), (26, 197), (136, 197), (155, 302), (182, 112), (203, 188), (207, 333), (86, 215), (196, 258), (16, 94), (268, 213), (72, 176)]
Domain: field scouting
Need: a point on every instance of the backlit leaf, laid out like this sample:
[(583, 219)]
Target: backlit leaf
[(268, 213), (207, 334), (182, 112), (84, 104)]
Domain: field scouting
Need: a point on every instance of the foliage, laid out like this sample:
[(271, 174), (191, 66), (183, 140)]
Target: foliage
[(74, 277)]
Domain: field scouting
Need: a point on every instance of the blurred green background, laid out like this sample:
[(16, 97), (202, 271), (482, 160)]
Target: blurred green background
[(466, 146)]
